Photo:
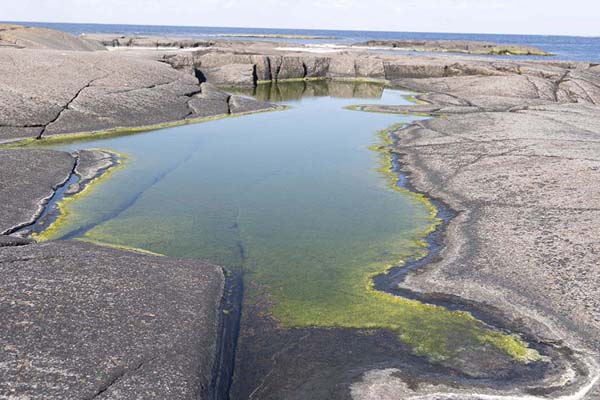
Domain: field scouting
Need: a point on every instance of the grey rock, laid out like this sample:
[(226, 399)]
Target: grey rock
[(68, 92), (7, 240), (111, 40), (316, 67), (90, 165), (231, 75), (240, 104), (263, 67), (17, 36), (28, 178), (456, 46), (83, 321), (342, 67), (291, 68), (210, 91)]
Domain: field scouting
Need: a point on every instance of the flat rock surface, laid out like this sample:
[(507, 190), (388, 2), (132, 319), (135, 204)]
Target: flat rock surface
[(20, 37), (456, 46), (46, 92), (81, 321), (27, 179), (517, 156)]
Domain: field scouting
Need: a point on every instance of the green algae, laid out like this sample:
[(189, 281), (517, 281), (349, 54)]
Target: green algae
[(309, 217), (64, 216), (79, 137)]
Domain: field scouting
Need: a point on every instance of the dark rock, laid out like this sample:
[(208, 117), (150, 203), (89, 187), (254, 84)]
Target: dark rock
[(6, 241), (291, 68), (316, 67), (81, 321), (29, 178)]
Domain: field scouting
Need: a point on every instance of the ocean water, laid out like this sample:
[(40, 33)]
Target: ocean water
[(572, 48)]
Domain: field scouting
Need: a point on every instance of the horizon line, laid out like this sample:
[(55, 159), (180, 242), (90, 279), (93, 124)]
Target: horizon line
[(297, 29)]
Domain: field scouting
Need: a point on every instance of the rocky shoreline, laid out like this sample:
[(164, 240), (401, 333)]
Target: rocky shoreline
[(514, 150)]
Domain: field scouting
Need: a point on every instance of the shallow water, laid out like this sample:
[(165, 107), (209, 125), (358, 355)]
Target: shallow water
[(299, 200)]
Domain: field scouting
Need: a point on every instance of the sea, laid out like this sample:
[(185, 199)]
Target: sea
[(564, 48)]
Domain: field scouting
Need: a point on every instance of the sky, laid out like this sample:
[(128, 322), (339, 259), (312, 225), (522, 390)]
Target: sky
[(549, 17)]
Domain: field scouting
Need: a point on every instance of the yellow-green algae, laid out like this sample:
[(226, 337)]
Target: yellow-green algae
[(79, 137), (63, 205), (120, 247), (313, 270)]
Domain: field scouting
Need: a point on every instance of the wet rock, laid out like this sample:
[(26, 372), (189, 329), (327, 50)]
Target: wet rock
[(29, 178), (83, 321), (6, 241), (240, 104), (90, 165)]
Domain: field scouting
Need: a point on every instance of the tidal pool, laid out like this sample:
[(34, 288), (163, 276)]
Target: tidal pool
[(303, 201)]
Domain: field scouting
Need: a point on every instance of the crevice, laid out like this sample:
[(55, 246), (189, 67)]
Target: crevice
[(44, 202), (66, 106), (118, 376), (557, 84)]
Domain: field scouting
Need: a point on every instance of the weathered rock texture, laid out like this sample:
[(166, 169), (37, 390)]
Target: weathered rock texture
[(20, 37), (235, 65), (71, 92), (27, 180), (81, 321), (147, 41), (517, 154), (456, 46)]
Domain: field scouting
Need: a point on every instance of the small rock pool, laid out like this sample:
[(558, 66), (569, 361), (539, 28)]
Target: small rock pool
[(304, 204)]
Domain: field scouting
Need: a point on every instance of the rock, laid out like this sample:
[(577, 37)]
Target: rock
[(291, 68), (22, 37), (29, 178), (456, 46), (6, 241), (111, 40), (69, 92), (84, 321), (240, 104), (342, 67), (90, 165), (263, 67), (369, 67), (316, 67), (230, 75), (210, 91)]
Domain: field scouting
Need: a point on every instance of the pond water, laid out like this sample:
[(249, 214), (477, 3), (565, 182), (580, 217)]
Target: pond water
[(301, 201)]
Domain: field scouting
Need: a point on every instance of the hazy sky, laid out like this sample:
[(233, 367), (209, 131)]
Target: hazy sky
[(576, 17)]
